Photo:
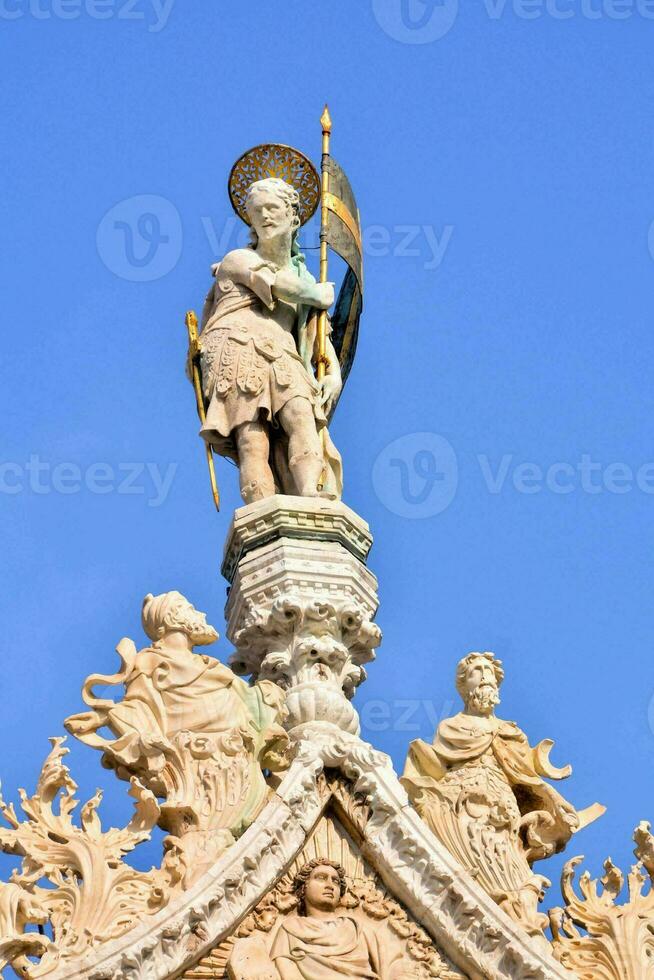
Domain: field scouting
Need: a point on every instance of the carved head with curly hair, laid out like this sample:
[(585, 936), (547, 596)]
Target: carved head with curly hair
[(320, 885), (478, 679)]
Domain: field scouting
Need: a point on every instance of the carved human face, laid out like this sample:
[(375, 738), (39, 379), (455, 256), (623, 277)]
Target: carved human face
[(269, 213), (322, 890), (194, 623), (481, 691)]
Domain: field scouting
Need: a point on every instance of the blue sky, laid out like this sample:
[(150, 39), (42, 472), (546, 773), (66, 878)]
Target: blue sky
[(496, 428)]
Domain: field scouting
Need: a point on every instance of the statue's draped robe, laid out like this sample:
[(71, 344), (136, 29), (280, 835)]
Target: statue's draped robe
[(170, 692), (319, 949), (483, 797), (179, 701), (252, 366), (458, 743)]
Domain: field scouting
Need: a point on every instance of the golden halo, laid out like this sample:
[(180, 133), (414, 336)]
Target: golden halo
[(275, 160)]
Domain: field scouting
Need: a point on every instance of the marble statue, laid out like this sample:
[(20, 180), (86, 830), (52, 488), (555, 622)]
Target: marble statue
[(265, 409), (188, 728), (480, 788), (319, 943)]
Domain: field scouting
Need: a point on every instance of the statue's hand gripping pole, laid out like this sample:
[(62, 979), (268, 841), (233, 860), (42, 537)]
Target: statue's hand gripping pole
[(194, 374)]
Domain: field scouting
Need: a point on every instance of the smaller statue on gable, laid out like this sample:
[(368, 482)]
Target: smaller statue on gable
[(480, 789), (190, 730)]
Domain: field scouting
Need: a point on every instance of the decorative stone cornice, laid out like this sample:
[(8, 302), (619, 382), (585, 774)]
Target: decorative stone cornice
[(302, 518), (479, 938)]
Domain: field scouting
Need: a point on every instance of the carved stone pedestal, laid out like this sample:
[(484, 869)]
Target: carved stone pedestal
[(301, 604)]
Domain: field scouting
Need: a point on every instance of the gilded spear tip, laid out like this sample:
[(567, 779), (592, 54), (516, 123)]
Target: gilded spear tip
[(326, 120)]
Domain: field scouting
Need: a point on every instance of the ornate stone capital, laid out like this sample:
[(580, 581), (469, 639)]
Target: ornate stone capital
[(301, 605)]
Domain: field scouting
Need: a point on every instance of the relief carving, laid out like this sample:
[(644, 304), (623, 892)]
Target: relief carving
[(329, 916), (314, 649)]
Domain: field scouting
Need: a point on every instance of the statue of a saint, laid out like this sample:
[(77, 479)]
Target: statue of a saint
[(480, 789), (319, 943), (189, 729), (265, 409)]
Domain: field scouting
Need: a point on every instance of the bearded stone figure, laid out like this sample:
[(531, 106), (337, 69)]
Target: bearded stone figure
[(191, 731), (319, 943), (480, 789), (266, 411)]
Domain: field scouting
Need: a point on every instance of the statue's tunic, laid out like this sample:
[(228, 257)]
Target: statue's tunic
[(318, 949), (256, 356), (250, 363)]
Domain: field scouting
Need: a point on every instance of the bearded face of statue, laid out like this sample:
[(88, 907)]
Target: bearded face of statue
[(270, 210), (480, 687), (189, 620), (322, 890)]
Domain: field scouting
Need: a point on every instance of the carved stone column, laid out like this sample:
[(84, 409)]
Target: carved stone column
[(301, 604)]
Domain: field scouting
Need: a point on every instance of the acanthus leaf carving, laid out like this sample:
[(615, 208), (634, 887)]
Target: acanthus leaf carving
[(314, 649), (595, 936), (73, 875)]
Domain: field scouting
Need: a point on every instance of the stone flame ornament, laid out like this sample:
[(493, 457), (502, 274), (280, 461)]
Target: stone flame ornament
[(597, 938)]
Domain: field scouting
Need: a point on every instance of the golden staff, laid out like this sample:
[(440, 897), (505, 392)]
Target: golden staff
[(322, 361), (326, 123), (194, 370)]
